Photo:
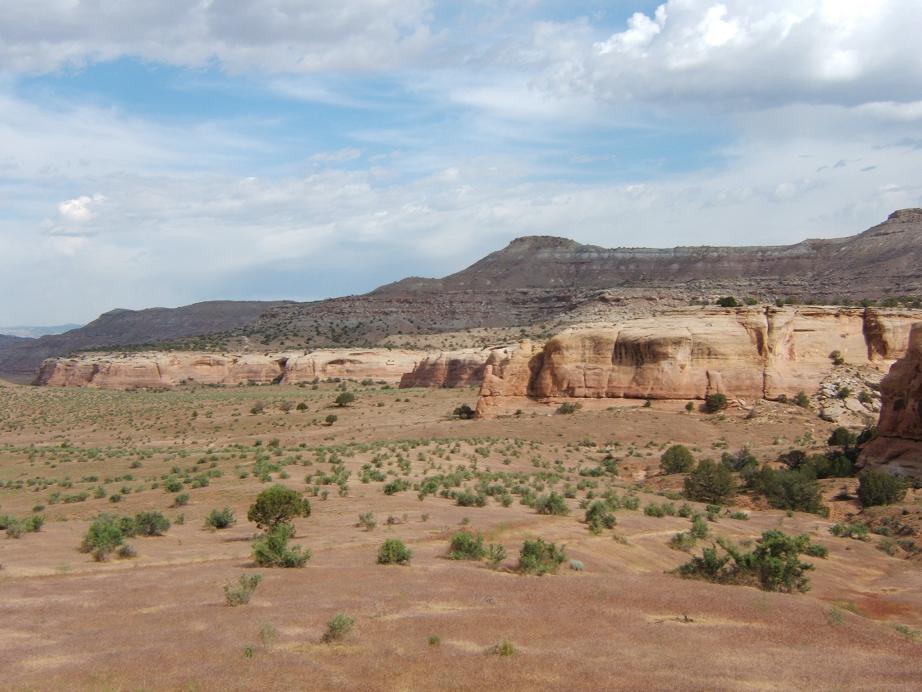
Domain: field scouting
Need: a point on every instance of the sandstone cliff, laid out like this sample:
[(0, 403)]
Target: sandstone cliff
[(898, 445), (138, 370), (745, 353), (158, 369)]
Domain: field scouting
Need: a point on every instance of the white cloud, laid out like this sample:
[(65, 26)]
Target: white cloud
[(272, 35), (81, 208)]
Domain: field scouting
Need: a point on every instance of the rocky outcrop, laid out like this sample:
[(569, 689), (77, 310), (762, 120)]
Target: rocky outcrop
[(142, 370), (448, 369), (898, 445), (746, 353)]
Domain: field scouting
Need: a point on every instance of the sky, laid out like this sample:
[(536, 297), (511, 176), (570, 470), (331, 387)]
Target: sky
[(163, 152)]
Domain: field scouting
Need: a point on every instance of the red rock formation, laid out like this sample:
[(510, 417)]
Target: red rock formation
[(747, 353), (448, 369), (898, 445)]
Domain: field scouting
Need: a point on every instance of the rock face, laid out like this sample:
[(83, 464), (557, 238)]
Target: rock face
[(745, 353), (140, 370), (898, 445), (448, 369)]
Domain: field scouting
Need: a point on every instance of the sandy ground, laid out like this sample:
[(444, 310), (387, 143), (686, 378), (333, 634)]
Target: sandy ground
[(159, 621)]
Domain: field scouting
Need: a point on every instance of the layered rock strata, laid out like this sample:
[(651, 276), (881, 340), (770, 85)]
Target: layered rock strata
[(745, 353)]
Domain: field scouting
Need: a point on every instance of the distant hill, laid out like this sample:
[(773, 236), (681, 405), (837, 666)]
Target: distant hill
[(34, 332), (532, 280), (119, 327)]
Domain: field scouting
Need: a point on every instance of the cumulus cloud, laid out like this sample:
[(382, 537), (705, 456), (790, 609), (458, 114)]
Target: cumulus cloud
[(748, 51)]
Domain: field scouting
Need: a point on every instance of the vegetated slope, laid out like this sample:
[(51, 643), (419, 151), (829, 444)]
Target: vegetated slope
[(119, 327)]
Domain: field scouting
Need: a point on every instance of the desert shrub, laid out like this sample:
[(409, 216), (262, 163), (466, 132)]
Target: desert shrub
[(330, 419), (552, 503), (792, 490), (830, 465), (151, 524), (817, 550), (569, 407), (301, 406), (464, 412), (710, 482), (540, 558), (339, 626), (677, 459), (126, 552), (699, 527), (728, 302), (880, 488), (15, 528), (466, 546), (842, 437), (689, 406), (504, 648), (740, 462), (278, 505), (850, 530), (469, 498), (394, 552), (715, 402), (220, 518), (837, 358), (103, 537), (172, 485), (599, 516), (802, 400), (396, 486), (496, 553), (654, 510), (272, 549), (181, 500), (257, 408), (367, 521), (344, 399), (773, 565), (241, 592), (682, 541)]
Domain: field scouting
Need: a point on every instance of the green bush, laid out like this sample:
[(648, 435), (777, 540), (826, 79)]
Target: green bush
[(103, 537), (569, 407), (552, 503), (715, 402), (802, 400), (538, 557), (338, 628), (278, 505), (394, 552), (773, 565), (220, 518), (466, 546), (367, 521), (272, 549), (241, 592), (344, 399), (151, 524), (850, 530), (791, 490), (464, 412), (842, 437), (599, 516), (880, 488), (677, 459), (710, 482), (728, 302)]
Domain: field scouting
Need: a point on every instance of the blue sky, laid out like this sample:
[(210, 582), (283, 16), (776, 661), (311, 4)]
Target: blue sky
[(160, 153)]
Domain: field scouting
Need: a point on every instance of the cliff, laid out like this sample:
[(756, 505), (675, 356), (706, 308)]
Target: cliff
[(898, 445), (745, 353)]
